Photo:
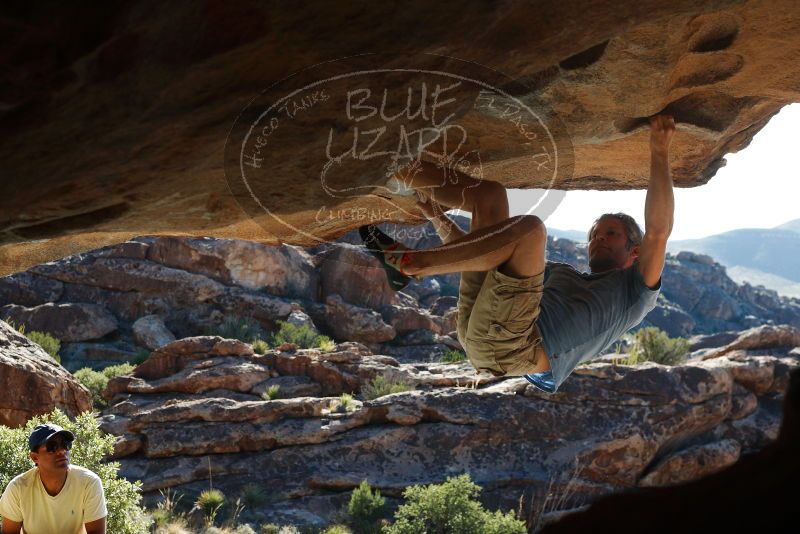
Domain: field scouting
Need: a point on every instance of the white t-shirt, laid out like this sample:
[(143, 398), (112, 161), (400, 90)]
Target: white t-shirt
[(80, 501)]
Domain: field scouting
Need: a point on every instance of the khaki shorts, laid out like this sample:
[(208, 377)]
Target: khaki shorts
[(497, 321)]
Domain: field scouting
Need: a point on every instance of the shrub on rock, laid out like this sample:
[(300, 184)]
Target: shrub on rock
[(260, 346), (452, 506), (209, 502), (242, 328), (454, 356), (366, 508), (302, 336), (654, 345), (50, 344), (96, 381), (272, 393), (381, 386)]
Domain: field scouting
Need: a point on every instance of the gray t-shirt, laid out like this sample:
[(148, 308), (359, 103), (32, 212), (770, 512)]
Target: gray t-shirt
[(582, 314)]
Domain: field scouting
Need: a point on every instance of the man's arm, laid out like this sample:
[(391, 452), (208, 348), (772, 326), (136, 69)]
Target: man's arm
[(95, 506), (94, 527), (11, 527), (659, 204)]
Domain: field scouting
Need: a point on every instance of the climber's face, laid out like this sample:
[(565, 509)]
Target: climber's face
[(608, 246)]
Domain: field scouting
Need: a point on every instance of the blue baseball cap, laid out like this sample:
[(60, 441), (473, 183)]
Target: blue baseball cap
[(42, 433)]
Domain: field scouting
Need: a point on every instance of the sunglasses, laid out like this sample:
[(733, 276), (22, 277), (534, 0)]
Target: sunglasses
[(55, 444)]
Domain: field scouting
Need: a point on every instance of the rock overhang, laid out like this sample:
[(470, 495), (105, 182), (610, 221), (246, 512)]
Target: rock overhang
[(125, 133)]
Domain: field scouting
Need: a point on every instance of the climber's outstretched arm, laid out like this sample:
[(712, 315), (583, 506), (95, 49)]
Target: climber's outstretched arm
[(660, 202)]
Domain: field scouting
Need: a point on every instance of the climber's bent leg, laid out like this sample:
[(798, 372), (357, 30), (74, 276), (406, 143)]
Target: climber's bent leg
[(515, 246)]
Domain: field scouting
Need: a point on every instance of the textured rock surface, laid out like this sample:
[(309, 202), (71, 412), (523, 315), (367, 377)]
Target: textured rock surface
[(281, 271), (405, 319), (354, 322), (724, 502), (301, 319), (66, 322), (766, 336), (33, 383), (155, 101), (99, 355), (693, 462), (356, 276), (610, 427), (151, 332)]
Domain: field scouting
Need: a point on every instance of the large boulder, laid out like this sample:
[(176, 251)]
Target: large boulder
[(406, 319), (355, 275), (132, 286), (767, 336), (151, 332), (300, 318), (671, 319), (66, 322), (443, 304), (28, 289), (284, 271), (354, 323), (693, 463), (125, 274), (33, 383)]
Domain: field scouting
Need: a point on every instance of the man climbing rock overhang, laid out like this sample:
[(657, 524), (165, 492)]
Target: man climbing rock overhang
[(517, 313)]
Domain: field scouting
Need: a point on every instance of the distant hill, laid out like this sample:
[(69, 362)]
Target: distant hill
[(573, 235), (767, 256), (755, 277), (792, 226)]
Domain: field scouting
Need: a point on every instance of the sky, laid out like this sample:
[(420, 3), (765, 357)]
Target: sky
[(758, 188)]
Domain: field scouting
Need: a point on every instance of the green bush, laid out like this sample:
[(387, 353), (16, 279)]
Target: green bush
[(209, 502), (260, 346), (451, 507), (166, 512), (337, 529), (346, 403), (654, 345), (120, 369), (50, 344), (125, 516), (96, 381), (253, 496), (366, 508), (242, 328), (302, 336), (453, 356), (272, 393), (380, 386)]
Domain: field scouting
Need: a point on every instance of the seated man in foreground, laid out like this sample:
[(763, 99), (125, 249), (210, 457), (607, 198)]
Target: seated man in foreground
[(53, 496), (520, 315)]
